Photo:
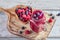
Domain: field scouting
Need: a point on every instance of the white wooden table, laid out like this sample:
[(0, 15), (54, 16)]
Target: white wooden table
[(39, 4)]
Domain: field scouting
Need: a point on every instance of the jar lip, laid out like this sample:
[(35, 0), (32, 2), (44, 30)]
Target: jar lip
[(37, 11)]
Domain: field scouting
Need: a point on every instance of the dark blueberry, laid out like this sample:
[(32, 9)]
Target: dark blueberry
[(20, 32), (22, 13), (37, 14), (36, 18), (53, 17), (34, 15), (26, 12), (23, 27), (29, 7), (50, 14), (58, 14), (16, 10)]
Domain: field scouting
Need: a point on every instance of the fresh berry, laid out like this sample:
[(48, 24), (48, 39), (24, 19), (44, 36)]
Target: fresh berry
[(20, 32), (23, 27), (27, 32), (53, 17), (19, 10), (26, 12), (28, 17), (50, 14), (58, 14), (50, 20), (29, 9), (24, 16)]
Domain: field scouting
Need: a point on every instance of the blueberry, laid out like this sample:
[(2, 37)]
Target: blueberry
[(37, 14), (26, 12), (21, 13), (29, 9), (20, 32), (50, 14), (34, 15), (16, 10), (36, 18), (23, 27), (53, 17), (58, 14)]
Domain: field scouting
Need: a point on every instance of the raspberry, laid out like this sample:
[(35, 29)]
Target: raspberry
[(27, 31), (28, 17), (18, 11), (50, 20), (24, 16)]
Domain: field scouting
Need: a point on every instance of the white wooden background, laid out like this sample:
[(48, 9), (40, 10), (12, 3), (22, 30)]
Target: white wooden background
[(39, 4)]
